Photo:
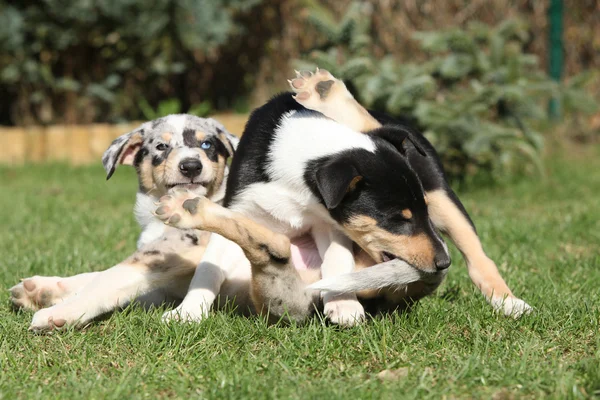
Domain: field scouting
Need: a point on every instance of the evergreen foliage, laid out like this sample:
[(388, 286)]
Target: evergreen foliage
[(476, 96), (81, 60)]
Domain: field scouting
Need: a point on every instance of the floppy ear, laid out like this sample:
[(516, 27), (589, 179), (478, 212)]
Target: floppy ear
[(122, 151), (335, 180), (230, 141), (399, 138)]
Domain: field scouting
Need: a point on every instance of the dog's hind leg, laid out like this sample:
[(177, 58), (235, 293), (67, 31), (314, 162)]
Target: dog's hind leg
[(328, 95), (44, 291), (148, 269), (448, 215), (276, 287), (324, 93)]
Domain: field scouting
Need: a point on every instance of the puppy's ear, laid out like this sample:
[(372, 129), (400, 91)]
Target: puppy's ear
[(122, 151), (230, 141), (335, 180), (399, 138)]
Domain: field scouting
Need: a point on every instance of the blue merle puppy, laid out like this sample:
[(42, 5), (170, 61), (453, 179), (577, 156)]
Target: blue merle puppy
[(174, 153)]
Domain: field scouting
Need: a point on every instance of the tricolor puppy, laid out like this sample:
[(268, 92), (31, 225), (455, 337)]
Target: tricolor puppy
[(319, 165), (177, 152)]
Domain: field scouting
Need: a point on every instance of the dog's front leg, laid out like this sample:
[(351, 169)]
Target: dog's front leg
[(108, 290), (40, 292), (148, 270), (238, 242), (448, 215), (220, 257), (336, 252)]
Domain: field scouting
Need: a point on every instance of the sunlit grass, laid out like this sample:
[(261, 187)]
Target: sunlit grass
[(544, 236)]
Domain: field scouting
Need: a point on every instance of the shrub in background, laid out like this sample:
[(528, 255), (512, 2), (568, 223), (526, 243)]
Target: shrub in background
[(77, 61), (477, 96)]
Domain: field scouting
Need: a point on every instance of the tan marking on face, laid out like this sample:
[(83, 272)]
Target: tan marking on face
[(218, 173), (353, 183), (406, 213), (226, 143), (167, 171), (446, 216), (166, 136), (200, 136), (160, 171), (417, 250), (145, 175)]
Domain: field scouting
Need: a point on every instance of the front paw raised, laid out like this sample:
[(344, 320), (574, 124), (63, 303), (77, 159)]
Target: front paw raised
[(184, 210)]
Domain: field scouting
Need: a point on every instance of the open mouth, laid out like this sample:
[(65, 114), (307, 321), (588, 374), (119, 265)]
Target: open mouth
[(385, 256), (185, 185)]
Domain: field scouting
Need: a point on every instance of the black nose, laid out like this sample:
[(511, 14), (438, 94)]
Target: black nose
[(442, 261), (190, 167)]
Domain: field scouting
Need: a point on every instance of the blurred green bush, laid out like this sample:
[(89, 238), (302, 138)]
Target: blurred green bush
[(477, 96), (77, 61)]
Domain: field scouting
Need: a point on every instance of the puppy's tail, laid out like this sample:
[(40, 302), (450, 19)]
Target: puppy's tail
[(390, 273)]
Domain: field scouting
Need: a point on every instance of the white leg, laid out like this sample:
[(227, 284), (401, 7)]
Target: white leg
[(109, 289), (221, 257), (44, 291), (336, 252)]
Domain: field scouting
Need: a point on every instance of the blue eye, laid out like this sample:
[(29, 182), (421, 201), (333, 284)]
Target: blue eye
[(206, 145)]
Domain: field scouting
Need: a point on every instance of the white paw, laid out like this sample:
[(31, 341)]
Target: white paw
[(185, 313), (182, 209), (511, 306), (344, 312), (314, 90), (51, 318), (38, 292)]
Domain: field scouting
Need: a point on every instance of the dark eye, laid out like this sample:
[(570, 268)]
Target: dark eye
[(162, 146), (206, 145)]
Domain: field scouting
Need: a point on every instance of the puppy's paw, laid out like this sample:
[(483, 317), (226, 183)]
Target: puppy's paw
[(316, 91), (50, 319), (344, 312), (185, 313), (38, 292), (184, 210), (511, 306)]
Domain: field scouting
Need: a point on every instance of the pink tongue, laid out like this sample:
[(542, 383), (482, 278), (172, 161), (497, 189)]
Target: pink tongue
[(304, 253)]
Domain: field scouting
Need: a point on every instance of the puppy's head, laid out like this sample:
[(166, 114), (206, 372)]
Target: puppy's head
[(379, 201), (176, 151)]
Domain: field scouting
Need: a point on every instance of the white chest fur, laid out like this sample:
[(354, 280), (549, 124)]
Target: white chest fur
[(286, 204)]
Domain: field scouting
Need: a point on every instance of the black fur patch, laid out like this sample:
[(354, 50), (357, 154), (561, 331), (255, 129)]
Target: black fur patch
[(159, 158), (193, 238), (388, 186), (323, 88), (156, 123), (139, 157), (250, 161), (274, 257), (189, 138), (151, 253)]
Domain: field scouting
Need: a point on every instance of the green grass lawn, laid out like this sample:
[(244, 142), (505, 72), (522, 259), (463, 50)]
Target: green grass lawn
[(544, 236)]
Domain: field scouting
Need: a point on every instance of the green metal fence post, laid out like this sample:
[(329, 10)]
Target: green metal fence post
[(555, 56)]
